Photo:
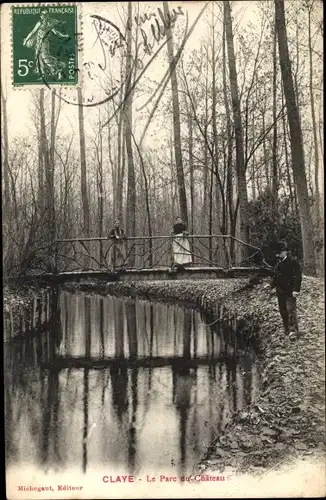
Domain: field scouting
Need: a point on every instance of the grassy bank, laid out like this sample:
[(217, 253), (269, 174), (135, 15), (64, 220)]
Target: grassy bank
[(287, 421)]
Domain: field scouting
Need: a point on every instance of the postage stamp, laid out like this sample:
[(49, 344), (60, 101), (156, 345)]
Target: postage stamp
[(45, 48)]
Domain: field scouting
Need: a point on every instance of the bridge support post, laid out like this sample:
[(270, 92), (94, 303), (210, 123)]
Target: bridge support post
[(171, 253)]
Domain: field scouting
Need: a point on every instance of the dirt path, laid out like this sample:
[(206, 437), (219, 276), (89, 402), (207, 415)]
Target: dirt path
[(288, 420)]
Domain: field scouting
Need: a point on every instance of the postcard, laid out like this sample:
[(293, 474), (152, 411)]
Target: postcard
[(162, 201)]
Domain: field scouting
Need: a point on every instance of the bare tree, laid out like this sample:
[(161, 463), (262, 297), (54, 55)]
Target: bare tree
[(131, 193), (313, 115), (240, 162), (83, 170), (42, 152), (298, 163), (51, 169), (176, 120), (229, 138), (6, 188), (274, 151)]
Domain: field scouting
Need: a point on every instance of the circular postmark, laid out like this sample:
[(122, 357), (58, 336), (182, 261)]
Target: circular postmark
[(114, 60), (102, 69), (99, 76)]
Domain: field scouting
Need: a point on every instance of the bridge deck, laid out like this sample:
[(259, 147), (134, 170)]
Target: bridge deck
[(157, 273)]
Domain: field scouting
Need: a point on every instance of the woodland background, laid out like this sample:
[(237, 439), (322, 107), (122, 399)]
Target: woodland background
[(240, 149)]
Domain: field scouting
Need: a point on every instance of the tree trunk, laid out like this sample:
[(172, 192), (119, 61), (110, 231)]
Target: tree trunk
[(253, 162), (176, 120), (296, 72), (314, 124), (83, 172), (147, 205), (172, 185), (41, 148), (266, 159), (191, 171), (241, 173), (229, 176), (320, 130), (210, 219), (131, 190), (118, 210), (205, 168), (50, 172), (6, 189), (287, 162), (100, 190), (297, 151), (274, 153), (203, 223), (219, 191), (46, 167), (114, 163)]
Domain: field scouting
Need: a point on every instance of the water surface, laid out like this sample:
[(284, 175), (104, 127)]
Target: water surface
[(124, 415)]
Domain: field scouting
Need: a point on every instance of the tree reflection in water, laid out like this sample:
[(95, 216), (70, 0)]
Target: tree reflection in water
[(183, 381), (123, 414)]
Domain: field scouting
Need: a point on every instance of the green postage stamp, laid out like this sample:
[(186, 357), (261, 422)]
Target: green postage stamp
[(44, 42)]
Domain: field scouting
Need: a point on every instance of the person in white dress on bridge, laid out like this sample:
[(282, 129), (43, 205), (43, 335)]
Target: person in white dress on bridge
[(180, 244)]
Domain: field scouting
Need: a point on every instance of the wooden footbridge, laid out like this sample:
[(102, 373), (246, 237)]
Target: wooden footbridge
[(148, 258)]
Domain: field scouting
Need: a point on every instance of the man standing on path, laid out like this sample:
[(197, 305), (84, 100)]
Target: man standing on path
[(287, 281)]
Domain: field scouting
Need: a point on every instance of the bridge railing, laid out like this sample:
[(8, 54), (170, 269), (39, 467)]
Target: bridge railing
[(143, 252)]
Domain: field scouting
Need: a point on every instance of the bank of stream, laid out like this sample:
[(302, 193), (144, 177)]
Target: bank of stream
[(287, 420)]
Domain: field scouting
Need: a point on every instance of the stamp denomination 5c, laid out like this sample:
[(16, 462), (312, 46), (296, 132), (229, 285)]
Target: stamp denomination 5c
[(44, 45)]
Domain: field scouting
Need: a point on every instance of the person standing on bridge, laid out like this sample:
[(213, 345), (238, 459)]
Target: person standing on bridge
[(180, 244), (117, 251), (287, 281)]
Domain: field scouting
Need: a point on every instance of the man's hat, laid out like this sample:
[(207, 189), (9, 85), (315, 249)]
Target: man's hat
[(282, 246)]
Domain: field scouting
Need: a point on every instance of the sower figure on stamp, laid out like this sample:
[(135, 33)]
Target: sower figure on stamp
[(38, 39), (117, 252), (287, 281)]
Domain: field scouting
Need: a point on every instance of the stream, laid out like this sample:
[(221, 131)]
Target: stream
[(126, 384)]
